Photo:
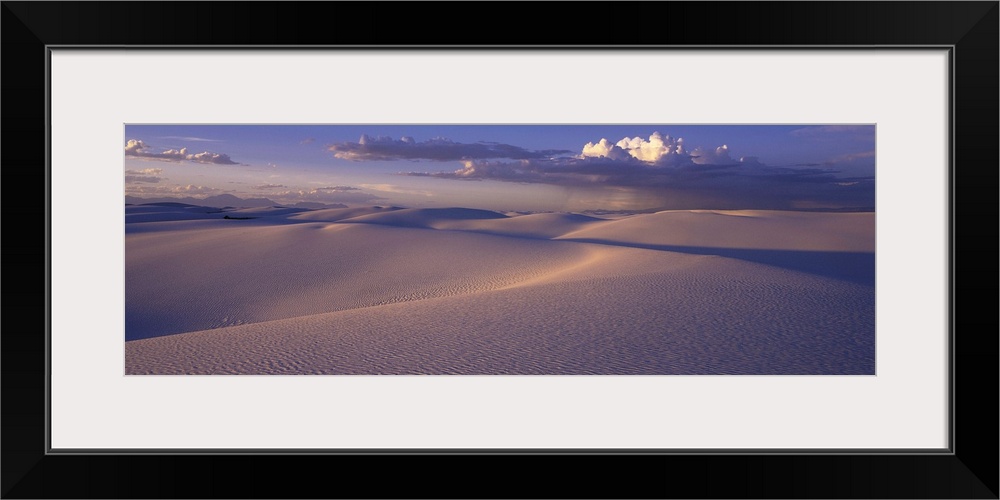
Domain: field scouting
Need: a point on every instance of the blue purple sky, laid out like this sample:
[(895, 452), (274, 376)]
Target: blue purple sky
[(510, 167)]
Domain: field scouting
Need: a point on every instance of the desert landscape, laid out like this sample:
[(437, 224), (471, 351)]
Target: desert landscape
[(449, 249), (373, 290)]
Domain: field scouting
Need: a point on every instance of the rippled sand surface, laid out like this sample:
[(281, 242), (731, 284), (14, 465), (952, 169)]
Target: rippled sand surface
[(383, 290)]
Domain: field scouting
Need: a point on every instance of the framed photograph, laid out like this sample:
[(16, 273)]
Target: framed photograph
[(730, 253)]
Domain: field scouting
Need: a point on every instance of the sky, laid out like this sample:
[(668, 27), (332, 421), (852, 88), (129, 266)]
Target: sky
[(570, 168)]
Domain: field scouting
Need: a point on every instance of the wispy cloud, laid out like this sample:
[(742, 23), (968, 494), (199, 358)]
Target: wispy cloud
[(308, 140), (438, 149), (190, 139), (145, 171), (138, 149), (389, 188), (326, 195), (830, 131), (269, 186), (189, 189), (141, 178), (852, 157), (149, 175)]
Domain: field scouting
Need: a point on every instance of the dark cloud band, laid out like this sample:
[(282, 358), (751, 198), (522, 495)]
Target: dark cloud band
[(406, 148), (734, 185)]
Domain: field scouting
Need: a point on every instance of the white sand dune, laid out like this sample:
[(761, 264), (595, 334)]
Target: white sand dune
[(195, 279), (458, 291), (168, 212), (545, 225), (338, 214), (426, 217), (265, 211), (744, 229)]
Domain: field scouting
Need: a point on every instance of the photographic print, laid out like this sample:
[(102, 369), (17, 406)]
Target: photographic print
[(499, 249)]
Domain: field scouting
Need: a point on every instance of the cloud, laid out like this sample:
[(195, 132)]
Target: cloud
[(834, 131), (141, 178), (523, 171), (139, 149), (658, 150), (145, 171), (192, 189), (136, 147), (389, 188), (658, 171), (717, 156), (192, 139), (325, 195), (150, 175), (189, 189), (574, 171), (338, 188), (660, 168), (216, 158), (604, 148), (599, 162), (657, 159), (308, 140), (630, 161), (852, 157), (269, 186), (438, 149)]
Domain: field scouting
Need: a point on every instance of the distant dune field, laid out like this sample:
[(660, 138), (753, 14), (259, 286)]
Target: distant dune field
[(388, 290)]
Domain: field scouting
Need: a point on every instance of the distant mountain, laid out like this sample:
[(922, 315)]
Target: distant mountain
[(220, 200), (227, 200)]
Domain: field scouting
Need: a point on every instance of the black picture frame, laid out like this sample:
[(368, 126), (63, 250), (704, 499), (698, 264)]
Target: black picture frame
[(969, 470)]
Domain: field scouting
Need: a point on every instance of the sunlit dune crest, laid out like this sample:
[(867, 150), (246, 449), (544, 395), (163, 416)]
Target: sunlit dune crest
[(752, 229)]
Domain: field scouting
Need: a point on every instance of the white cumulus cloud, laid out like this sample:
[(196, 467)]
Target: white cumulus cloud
[(661, 151), (604, 148), (717, 156), (658, 149)]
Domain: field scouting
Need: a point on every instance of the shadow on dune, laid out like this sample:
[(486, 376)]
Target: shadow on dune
[(855, 267), (423, 218)]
